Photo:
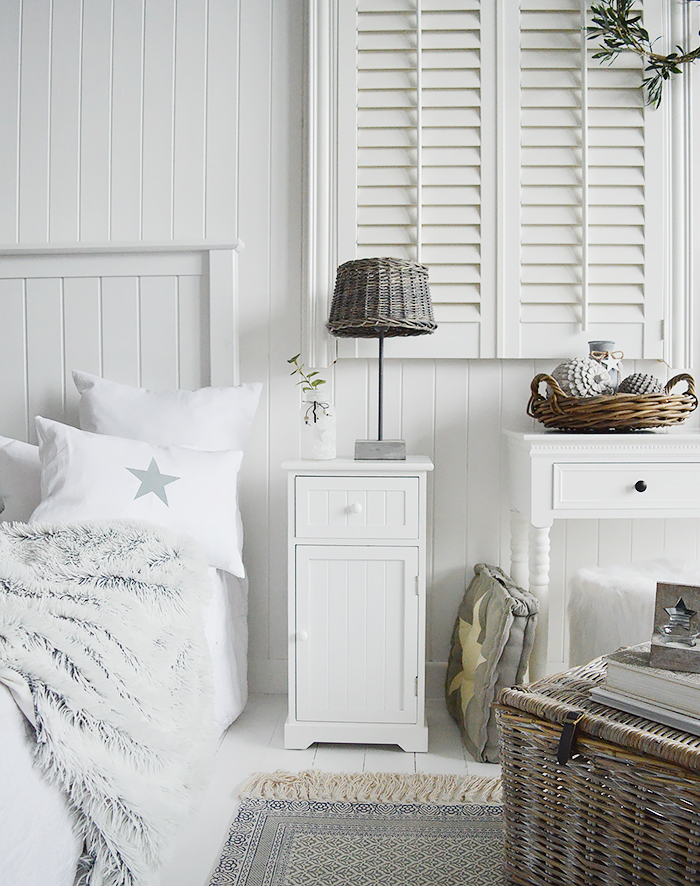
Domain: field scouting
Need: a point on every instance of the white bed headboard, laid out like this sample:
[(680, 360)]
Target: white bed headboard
[(161, 316)]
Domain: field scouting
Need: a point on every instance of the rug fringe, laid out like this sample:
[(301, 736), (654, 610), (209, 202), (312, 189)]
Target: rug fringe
[(371, 787)]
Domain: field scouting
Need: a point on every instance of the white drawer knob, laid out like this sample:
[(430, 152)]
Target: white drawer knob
[(355, 508), (302, 636)]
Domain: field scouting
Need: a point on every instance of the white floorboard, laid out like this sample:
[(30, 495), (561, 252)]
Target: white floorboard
[(254, 743)]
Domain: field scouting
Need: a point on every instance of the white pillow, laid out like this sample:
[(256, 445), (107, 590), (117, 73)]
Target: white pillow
[(210, 418), (94, 476), (20, 479)]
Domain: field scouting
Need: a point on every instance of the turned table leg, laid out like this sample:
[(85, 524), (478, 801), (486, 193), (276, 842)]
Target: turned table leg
[(539, 586), (519, 552)]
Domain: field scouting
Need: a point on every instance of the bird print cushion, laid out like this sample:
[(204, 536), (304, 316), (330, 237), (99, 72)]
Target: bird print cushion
[(491, 645)]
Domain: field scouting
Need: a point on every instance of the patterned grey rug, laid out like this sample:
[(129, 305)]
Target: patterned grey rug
[(313, 843)]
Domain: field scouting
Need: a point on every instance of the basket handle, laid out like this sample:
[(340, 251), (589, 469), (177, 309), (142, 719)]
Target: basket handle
[(683, 376), (536, 397)]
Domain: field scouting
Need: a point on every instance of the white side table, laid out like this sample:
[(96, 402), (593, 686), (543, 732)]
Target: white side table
[(357, 533), (556, 476)]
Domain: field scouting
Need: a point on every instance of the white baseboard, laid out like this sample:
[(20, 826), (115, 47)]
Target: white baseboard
[(269, 677)]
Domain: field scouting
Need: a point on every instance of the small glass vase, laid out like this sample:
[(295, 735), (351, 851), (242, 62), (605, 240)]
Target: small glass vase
[(317, 429), (604, 352)]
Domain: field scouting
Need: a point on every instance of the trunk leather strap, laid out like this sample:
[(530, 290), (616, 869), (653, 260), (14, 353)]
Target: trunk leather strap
[(567, 740)]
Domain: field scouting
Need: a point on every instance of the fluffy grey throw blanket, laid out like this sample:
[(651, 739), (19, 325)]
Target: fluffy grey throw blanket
[(103, 621)]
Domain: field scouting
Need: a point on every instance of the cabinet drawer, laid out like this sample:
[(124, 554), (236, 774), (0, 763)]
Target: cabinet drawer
[(626, 487), (356, 507)]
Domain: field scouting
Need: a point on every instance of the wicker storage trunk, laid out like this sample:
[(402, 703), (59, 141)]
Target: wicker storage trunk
[(625, 811)]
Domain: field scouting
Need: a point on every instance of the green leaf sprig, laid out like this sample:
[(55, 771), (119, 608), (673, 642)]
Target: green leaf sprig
[(620, 28), (309, 381)]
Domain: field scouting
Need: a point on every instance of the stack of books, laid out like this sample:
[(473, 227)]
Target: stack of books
[(634, 686)]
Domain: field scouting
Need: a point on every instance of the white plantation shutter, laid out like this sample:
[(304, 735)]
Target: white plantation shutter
[(420, 159), (475, 140), (590, 261)]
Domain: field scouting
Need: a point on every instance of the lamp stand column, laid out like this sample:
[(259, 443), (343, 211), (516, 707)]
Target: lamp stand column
[(380, 391), (380, 449)]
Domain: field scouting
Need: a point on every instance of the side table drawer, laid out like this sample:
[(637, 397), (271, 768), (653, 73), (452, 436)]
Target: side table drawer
[(356, 507), (626, 486)]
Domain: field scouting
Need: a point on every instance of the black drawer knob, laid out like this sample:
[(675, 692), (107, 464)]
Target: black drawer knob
[(640, 486)]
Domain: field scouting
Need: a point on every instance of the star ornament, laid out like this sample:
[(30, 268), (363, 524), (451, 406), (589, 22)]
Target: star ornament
[(680, 614), (610, 362), (152, 481), (609, 359)]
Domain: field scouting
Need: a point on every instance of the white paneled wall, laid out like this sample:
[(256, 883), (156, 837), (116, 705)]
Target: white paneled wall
[(122, 120), (119, 120)]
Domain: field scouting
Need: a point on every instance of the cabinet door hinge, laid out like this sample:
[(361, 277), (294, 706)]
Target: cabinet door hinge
[(416, 687), (417, 585)]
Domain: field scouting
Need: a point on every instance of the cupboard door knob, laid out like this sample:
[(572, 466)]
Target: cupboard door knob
[(355, 508), (302, 636), (640, 486)]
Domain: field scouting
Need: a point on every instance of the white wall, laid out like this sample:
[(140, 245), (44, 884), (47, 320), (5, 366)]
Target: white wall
[(131, 126)]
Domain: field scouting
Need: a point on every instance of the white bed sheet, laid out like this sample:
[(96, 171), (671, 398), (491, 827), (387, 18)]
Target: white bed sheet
[(226, 629), (38, 846)]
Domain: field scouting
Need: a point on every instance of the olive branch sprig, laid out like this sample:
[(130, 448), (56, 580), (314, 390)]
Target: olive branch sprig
[(621, 29)]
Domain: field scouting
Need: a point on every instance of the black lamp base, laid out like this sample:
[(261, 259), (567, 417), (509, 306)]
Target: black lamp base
[(390, 450)]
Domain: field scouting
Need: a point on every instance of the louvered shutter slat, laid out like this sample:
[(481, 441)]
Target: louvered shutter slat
[(450, 187), (552, 192)]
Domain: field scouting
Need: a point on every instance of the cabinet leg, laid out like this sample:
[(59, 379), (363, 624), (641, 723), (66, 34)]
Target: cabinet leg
[(539, 586)]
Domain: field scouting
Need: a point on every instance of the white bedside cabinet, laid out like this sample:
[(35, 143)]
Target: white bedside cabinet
[(357, 602)]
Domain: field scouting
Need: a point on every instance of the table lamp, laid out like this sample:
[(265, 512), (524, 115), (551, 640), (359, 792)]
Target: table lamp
[(379, 298)]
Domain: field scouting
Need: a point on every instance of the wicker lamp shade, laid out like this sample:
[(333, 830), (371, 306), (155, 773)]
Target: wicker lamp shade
[(379, 298)]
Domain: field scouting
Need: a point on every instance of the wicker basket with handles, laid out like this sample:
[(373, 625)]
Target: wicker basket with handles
[(622, 811), (612, 412)]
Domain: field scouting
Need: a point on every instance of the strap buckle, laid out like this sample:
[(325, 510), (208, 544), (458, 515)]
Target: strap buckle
[(567, 740)]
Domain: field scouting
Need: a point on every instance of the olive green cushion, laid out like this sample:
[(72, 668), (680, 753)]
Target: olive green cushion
[(491, 645)]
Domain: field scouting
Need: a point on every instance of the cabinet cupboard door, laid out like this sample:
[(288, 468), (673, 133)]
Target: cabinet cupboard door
[(357, 633)]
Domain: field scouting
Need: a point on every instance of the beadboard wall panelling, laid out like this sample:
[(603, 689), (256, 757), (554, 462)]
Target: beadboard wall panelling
[(260, 493), (270, 163), (118, 120), (9, 114), (65, 134)]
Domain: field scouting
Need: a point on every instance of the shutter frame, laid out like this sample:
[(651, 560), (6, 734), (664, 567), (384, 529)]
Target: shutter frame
[(497, 324)]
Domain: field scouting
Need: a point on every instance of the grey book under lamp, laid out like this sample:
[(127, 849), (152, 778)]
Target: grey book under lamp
[(381, 298)]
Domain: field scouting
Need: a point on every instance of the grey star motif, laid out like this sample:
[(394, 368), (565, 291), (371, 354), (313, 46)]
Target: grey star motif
[(152, 481)]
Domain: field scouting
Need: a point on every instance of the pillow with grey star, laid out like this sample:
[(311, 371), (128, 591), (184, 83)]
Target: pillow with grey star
[(87, 476)]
